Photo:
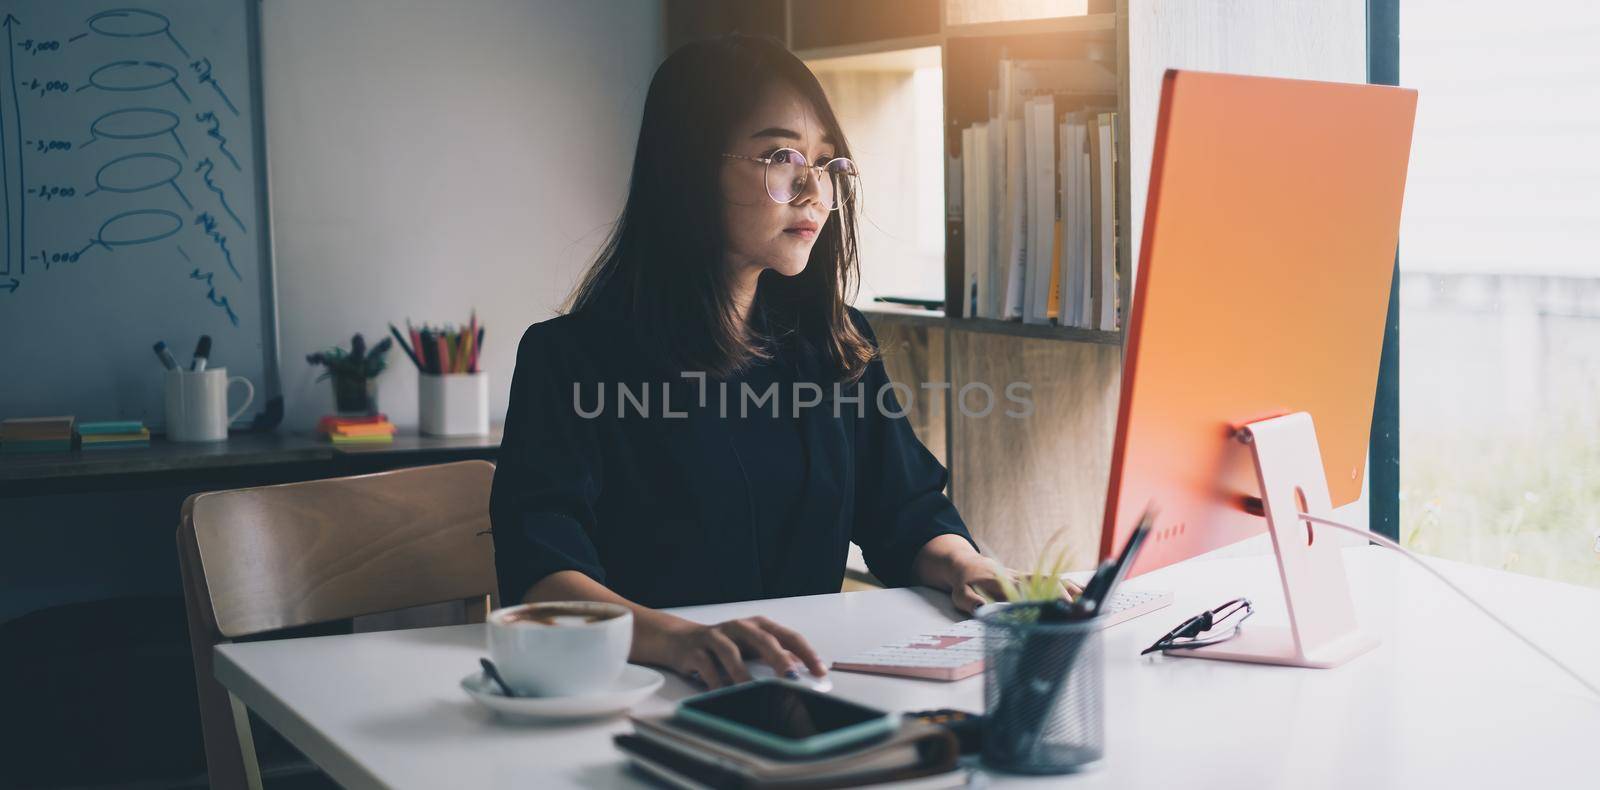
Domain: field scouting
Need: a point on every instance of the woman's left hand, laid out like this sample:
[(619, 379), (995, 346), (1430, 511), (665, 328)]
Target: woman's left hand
[(974, 583)]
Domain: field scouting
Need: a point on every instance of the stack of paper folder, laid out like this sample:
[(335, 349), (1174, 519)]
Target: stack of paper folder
[(681, 756), (36, 435), (357, 430), (113, 435)]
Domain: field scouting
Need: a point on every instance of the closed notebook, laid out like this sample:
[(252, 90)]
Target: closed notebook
[(370, 438), (124, 427), (915, 750), (369, 429), (142, 436), (36, 429)]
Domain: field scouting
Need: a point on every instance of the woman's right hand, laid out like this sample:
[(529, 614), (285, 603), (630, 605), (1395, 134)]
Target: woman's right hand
[(716, 654)]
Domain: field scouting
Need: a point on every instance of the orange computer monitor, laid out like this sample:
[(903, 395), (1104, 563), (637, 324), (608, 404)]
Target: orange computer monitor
[(1262, 289)]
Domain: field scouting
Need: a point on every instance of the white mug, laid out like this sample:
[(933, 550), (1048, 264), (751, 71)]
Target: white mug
[(567, 656), (197, 404)]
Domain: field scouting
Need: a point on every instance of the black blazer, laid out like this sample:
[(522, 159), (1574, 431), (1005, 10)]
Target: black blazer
[(658, 509)]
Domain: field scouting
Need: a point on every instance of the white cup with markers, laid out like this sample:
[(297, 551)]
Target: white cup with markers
[(197, 396)]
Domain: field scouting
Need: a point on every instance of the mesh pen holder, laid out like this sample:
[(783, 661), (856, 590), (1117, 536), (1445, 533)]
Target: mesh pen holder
[(1043, 691)]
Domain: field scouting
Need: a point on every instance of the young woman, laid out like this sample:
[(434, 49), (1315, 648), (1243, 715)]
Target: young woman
[(641, 463)]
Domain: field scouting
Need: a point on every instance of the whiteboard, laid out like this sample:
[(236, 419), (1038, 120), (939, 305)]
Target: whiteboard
[(136, 204)]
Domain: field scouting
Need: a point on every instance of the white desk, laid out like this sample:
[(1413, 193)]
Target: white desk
[(1447, 700)]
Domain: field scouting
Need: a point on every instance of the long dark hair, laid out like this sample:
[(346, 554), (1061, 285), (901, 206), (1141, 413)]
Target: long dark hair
[(664, 261)]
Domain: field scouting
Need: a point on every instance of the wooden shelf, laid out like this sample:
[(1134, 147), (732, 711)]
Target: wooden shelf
[(1088, 23), (937, 319), (870, 47)]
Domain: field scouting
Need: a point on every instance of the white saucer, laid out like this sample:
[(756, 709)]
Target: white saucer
[(635, 684)]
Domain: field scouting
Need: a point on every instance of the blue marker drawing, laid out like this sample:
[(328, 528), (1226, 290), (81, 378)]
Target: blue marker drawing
[(184, 254), (75, 38), (136, 123), (155, 217), (220, 301), (50, 259), (209, 223), (202, 67), (39, 47), (22, 181), (47, 192), (215, 133), (11, 286), (134, 23), (204, 169), (122, 76), (124, 175)]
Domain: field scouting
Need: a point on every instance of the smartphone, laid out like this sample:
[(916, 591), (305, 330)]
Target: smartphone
[(784, 718)]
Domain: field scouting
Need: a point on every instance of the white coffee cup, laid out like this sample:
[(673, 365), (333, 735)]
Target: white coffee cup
[(561, 648), (197, 404)]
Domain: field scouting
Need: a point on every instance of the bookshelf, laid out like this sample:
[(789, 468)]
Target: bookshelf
[(1019, 481)]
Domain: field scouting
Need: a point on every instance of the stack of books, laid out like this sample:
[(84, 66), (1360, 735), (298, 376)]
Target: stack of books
[(682, 756), (357, 430), (113, 435), (36, 435), (1038, 198)]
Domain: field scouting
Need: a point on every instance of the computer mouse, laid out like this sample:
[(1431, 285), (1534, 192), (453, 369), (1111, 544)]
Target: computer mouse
[(759, 670)]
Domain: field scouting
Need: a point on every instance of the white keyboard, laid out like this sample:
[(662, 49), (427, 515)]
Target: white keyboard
[(956, 652)]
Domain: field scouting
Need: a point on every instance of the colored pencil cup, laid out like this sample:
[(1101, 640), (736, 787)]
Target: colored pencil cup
[(454, 404)]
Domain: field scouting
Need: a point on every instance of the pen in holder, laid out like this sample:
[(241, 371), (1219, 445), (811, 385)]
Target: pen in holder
[(453, 404), (1043, 689), (452, 392)]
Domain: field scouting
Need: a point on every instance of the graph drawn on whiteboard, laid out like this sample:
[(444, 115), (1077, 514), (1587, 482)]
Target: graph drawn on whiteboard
[(133, 198)]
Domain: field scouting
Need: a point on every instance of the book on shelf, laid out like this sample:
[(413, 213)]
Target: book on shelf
[(1083, 242), (1014, 222), (1039, 199), (1097, 207), (980, 217), (972, 232), (1073, 248), (994, 271), (1040, 121), (1106, 234)]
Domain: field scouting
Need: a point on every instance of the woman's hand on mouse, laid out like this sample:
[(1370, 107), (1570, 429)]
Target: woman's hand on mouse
[(716, 654)]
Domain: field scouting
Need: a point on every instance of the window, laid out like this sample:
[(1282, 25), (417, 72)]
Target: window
[(892, 108), (1500, 286)]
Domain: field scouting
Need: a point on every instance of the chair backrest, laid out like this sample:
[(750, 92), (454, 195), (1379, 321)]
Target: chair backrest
[(256, 560), (290, 555)]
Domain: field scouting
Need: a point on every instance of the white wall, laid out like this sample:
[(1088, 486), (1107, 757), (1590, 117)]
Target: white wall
[(431, 156)]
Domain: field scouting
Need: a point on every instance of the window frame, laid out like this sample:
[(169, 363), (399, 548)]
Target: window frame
[(1383, 466)]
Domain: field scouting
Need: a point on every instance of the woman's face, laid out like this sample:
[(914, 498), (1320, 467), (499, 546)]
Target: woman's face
[(762, 233)]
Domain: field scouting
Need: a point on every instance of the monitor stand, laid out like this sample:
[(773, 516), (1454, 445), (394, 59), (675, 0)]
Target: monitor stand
[(1322, 630)]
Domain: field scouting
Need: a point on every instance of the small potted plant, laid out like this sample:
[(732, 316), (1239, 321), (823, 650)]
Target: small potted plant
[(354, 373)]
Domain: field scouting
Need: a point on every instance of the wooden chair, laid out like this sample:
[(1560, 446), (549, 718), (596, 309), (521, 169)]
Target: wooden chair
[(257, 560)]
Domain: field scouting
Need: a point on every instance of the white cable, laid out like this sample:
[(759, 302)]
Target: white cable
[(1389, 544)]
